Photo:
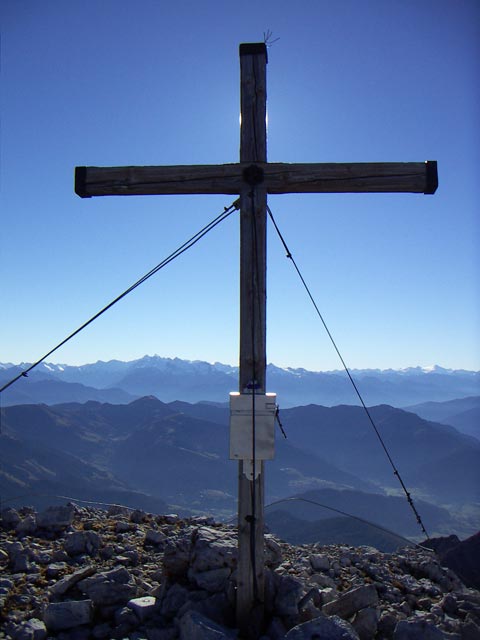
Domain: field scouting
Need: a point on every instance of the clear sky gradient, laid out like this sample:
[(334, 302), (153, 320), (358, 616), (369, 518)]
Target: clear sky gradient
[(119, 82)]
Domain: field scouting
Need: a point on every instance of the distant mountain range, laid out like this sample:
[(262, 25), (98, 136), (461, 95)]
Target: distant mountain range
[(148, 453), (463, 414), (175, 379)]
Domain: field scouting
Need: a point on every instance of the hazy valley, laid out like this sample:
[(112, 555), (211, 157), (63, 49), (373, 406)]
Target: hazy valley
[(159, 456)]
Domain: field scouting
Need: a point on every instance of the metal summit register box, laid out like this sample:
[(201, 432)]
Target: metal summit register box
[(241, 426)]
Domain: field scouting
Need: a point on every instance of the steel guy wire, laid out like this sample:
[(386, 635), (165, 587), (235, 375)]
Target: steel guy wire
[(175, 254), (347, 370)]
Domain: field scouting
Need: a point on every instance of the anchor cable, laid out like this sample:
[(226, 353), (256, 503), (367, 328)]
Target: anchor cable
[(347, 370), (175, 254), (349, 515)]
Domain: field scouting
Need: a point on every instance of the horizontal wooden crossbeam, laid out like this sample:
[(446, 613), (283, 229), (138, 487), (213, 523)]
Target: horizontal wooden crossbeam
[(230, 179)]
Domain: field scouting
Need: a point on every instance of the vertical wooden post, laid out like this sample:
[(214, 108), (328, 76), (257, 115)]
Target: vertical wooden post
[(253, 148), (412, 177)]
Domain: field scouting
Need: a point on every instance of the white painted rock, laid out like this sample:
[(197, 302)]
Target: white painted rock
[(143, 607)]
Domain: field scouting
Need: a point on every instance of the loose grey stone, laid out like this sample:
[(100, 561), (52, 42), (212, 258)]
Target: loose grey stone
[(312, 595), (432, 570), (32, 629), (176, 558), (124, 527), (203, 520), (26, 527), (387, 624), (215, 607), (43, 558), (365, 623), (9, 518), (414, 630), (65, 615), (327, 595), (3, 557), (411, 584), (155, 537), (212, 581), (195, 626), (174, 600), (138, 516), (352, 601), (81, 542), (56, 517), (333, 628), (449, 604), (319, 562), (60, 556), (18, 557), (126, 618), (6, 583), (110, 587), (323, 581), (66, 583), (273, 552), (55, 569), (107, 552), (118, 510), (213, 549), (289, 592)]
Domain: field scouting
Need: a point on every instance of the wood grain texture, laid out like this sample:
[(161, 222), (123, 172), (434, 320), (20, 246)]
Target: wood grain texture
[(252, 369), (341, 177)]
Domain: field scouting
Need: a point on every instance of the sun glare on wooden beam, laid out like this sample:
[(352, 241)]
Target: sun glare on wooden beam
[(240, 119)]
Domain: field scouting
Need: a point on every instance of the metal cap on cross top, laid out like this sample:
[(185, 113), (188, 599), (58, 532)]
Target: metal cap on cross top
[(253, 49)]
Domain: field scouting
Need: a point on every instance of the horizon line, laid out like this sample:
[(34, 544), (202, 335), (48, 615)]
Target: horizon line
[(424, 369)]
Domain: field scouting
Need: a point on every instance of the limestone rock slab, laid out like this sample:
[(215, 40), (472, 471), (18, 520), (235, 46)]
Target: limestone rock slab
[(413, 630), (66, 615), (332, 628), (352, 601), (56, 517), (66, 583), (195, 626), (109, 587), (81, 542)]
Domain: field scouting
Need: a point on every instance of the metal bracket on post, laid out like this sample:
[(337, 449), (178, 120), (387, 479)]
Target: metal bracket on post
[(253, 175)]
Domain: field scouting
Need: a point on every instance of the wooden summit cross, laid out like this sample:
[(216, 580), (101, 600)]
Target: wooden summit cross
[(253, 178)]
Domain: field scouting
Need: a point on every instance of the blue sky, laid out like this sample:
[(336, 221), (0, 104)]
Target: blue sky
[(151, 82)]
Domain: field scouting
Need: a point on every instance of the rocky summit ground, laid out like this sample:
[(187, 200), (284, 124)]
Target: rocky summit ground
[(77, 573)]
